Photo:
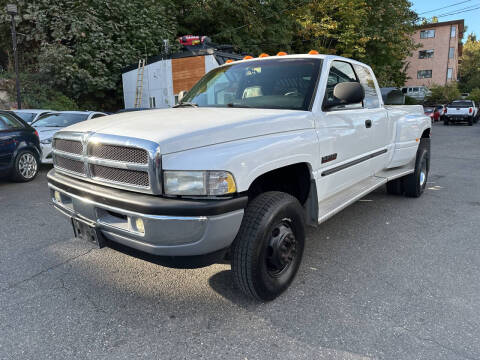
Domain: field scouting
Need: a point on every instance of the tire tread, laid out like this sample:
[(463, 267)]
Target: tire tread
[(245, 241)]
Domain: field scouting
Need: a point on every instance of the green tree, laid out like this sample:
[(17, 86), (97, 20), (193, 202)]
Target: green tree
[(475, 95), (469, 68), (251, 26), (443, 94), (332, 27), (390, 25), (82, 46), (377, 32)]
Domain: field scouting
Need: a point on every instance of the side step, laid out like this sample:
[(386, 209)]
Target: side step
[(395, 173), (340, 201)]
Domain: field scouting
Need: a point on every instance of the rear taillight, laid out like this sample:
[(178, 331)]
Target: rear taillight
[(36, 134), (445, 111), (470, 110)]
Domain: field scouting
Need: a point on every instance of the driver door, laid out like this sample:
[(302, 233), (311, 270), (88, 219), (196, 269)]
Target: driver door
[(345, 137)]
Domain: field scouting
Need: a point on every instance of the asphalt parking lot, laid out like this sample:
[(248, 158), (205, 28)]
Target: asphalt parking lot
[(387, 278)]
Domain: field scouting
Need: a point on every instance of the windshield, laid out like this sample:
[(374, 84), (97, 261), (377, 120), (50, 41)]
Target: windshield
[(264, 84), (27, 117), (60, 120)]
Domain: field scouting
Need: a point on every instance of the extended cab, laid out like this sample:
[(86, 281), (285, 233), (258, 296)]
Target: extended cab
[(256, 150), (461, 111)]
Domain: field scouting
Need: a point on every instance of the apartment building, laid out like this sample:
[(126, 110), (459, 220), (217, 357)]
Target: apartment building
[(436, 61)]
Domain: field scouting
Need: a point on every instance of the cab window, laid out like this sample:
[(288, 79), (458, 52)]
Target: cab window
[(366, 79), (340, 71)]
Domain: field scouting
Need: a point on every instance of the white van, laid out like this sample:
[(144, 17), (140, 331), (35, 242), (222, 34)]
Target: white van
[(416, 92)]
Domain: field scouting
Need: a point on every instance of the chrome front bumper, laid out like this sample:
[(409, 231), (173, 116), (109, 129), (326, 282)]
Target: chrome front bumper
[(164, 235)]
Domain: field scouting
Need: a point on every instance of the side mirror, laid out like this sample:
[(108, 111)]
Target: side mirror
[(181, 95), (349, 93)]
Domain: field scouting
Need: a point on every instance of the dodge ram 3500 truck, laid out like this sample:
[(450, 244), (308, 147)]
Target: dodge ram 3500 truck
[(253, 153)]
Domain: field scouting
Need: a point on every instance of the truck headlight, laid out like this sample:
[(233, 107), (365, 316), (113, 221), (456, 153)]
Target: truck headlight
[(206, 183), (46, 141)]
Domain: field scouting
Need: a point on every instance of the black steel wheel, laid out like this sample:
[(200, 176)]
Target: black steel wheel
[(416, 183), (268, 249)]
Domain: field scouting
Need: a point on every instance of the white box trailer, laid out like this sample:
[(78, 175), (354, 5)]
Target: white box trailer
[(164, 78)]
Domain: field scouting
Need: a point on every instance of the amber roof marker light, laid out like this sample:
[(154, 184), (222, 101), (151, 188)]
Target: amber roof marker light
[(229, 61), (281, 53), (313, 52), (262, 55), (248, 57)]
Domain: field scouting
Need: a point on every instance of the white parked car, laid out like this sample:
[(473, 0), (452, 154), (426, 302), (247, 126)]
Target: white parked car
[(48, 124), (31, 115), (255, 151)]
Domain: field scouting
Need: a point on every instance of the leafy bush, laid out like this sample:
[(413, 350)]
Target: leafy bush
[(38, 94), (475, 95), (443, 94)]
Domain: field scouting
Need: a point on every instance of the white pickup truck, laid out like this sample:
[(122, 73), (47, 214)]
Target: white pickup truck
[(256, 150), (461, 111)]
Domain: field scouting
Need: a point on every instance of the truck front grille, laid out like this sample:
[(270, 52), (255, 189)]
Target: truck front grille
[(64, 163), (104, 159), (69, 146), (119, 153), (124, 176)]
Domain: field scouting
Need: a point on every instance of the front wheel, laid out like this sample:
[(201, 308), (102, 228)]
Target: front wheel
[(25, 166), (268, 249)]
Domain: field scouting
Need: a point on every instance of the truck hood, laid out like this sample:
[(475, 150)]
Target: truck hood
[(179, 129)]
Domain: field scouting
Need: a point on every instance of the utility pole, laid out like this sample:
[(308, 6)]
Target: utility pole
[(12, 11)]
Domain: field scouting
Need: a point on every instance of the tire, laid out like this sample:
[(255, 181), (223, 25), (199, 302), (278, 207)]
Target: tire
[(470, 122), (415, 184), (25, 167), (395, 187), (445, 122), (268, 249)]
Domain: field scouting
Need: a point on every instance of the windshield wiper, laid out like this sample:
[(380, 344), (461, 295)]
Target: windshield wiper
[(182, 104)]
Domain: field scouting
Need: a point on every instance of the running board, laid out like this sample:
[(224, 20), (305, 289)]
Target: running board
[(395, 173), (340, 201)]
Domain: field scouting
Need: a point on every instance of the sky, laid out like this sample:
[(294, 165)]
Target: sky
[(469, 10)]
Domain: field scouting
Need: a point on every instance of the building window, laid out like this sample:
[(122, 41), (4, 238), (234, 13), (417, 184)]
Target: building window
[(449, 73), (425, 54), (453, 31), (426, 34), (424, 74), (451, 53)]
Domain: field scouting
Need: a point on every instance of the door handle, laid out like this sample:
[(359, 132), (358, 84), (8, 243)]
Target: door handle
[(368, 124)]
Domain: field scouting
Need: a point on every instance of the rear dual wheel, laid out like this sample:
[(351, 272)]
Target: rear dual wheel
[(268, 249), (414, 185)]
